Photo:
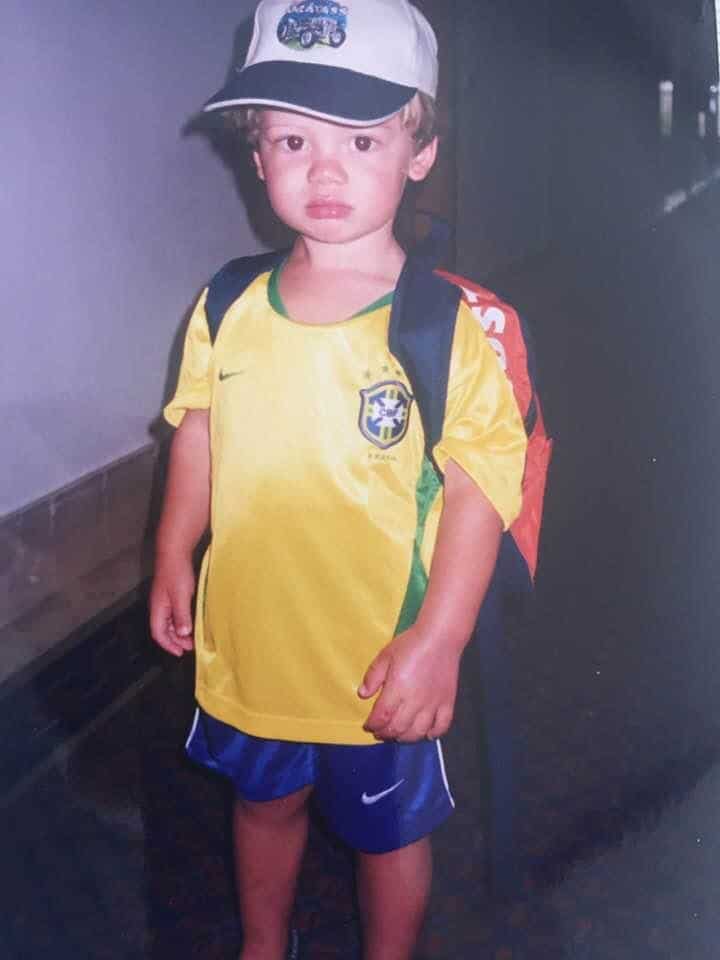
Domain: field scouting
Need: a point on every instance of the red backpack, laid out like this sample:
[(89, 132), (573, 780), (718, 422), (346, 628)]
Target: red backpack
[(510, 339)]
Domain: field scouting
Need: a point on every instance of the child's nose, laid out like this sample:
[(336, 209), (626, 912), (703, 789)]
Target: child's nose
[(326, 168)]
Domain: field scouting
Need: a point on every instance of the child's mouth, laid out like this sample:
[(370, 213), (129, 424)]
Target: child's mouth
[(328, 210)]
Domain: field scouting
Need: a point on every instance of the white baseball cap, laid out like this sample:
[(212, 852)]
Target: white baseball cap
[(357, 62)]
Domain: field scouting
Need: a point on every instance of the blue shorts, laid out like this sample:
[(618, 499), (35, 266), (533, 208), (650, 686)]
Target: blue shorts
[(376, 798)]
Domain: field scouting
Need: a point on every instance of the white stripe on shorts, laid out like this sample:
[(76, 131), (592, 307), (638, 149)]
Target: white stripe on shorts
[(441, 759), (193, 728)]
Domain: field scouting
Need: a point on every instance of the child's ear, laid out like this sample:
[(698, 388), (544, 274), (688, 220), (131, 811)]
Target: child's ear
[(258, 164), (421, 164)]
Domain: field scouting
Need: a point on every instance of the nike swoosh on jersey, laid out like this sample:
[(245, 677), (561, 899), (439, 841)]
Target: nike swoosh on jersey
[(368, 801), (225, 375)]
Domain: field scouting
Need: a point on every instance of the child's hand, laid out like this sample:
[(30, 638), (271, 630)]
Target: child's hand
[(170, 606), (419, 676)]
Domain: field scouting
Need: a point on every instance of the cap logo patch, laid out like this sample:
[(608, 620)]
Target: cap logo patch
[(311, 22), (385, 413)]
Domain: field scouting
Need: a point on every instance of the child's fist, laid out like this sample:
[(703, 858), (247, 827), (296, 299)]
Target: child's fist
[(171, 608)]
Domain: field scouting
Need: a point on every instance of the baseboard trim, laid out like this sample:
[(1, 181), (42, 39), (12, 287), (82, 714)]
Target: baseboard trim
[(75, 553)]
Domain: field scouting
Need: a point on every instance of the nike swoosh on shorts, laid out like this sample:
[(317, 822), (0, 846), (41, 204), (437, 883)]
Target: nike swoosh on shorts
[(368, 801)]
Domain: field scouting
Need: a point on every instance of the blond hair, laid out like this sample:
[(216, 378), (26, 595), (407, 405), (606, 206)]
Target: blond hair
[(419, 116)]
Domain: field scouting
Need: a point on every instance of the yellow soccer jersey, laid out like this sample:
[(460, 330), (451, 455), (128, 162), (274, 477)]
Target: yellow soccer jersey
[(324, 508)]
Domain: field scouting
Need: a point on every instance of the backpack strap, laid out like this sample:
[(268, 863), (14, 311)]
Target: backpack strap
[(422, 326), (232, 280)]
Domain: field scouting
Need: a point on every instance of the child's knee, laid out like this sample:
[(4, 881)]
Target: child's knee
[(274, 811)]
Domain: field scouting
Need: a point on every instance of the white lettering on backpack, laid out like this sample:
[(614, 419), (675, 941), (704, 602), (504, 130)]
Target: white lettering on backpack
[(492, 320)]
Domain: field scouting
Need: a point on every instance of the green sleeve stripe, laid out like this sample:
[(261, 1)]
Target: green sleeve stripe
[(427, 489)]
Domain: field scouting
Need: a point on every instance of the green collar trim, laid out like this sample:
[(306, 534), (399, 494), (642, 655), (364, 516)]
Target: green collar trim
[(276, 301), (274, 297)]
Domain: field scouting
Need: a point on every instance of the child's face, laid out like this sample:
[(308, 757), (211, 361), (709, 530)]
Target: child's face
[(333, 183)]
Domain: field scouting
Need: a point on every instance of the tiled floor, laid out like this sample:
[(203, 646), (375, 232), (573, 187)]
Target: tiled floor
[(114, 846)]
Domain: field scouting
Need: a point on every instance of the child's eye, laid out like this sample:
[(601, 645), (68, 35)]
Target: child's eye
[(294, 143), (363, 144)]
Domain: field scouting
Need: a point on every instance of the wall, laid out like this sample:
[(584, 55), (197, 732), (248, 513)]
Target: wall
[(503, 121), (111, 221)]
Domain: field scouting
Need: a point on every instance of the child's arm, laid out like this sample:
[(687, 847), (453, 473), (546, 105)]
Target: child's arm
[(418, 670), (184, 519)]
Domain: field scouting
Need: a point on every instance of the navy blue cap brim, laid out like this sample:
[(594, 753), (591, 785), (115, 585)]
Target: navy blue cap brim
[(332, 93)]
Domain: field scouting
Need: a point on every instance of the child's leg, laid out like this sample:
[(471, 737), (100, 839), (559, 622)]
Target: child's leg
[(393, 890), (269, 842)]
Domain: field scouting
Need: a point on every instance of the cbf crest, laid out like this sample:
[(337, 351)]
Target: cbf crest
[(385, 413)]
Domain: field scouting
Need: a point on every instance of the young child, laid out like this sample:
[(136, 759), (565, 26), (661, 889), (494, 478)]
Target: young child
[(327, 659)]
